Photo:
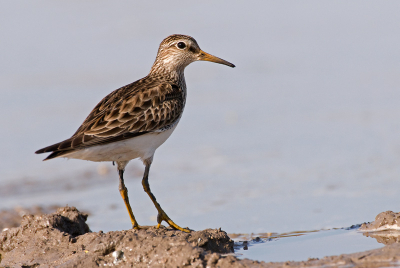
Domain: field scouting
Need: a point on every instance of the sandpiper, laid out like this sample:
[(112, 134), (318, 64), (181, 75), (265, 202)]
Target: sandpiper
[(134, 120)]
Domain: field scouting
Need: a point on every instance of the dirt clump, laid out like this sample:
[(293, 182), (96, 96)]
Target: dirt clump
[(385, 229), (383, 221), (63, 239)]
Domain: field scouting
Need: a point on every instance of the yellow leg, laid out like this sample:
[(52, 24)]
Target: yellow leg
[(124, 193), (162, 216)]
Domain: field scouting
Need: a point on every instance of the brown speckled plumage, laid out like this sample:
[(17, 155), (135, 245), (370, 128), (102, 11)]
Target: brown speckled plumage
[(150, 104)]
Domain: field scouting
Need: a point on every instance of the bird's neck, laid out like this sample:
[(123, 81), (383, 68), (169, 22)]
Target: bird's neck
[(171, 73)]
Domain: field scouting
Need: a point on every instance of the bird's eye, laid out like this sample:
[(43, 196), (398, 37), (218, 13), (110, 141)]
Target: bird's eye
[(181, 45)]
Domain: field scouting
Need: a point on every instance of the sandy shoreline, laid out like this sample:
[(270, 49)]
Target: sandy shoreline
[(63, 239)]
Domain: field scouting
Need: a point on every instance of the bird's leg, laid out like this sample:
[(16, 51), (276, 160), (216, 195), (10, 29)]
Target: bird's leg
[(124, 193), (162, 216)]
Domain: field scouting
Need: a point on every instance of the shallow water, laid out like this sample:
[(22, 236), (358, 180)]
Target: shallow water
[(302, 245), (302, 135)]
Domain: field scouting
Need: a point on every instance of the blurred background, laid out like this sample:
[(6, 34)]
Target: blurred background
[(302, 135)]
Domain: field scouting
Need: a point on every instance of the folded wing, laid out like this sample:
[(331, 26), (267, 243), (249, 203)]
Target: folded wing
[(144, 106)]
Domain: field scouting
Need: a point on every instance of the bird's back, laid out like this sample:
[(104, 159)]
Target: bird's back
[(151, 104)]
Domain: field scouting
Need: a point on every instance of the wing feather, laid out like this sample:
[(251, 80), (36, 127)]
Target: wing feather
[(147, 105)]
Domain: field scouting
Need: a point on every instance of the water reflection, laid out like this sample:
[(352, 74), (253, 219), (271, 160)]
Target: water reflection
[(301, 245), (387, 237)]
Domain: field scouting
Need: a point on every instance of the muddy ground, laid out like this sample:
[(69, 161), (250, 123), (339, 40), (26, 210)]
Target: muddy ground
[(63, 239)]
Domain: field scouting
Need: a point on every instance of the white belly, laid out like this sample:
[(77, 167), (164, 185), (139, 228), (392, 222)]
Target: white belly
[(142, 146)]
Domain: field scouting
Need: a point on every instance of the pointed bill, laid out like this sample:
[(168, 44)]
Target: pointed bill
[(208, 57)]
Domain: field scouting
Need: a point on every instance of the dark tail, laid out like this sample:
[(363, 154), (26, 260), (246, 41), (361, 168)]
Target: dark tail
[(55, 150)]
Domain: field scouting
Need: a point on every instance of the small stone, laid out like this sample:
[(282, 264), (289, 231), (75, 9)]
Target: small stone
[(118, 256)]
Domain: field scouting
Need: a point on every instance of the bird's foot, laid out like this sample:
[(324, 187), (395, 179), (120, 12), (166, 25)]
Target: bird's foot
[(136, 226), (162, 216)]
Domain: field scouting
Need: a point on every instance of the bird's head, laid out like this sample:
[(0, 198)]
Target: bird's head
[(178, 51)]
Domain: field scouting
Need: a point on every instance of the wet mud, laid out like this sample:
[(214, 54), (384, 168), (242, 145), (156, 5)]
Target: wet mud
[(385, 229), (387, 220), (63, 239)]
